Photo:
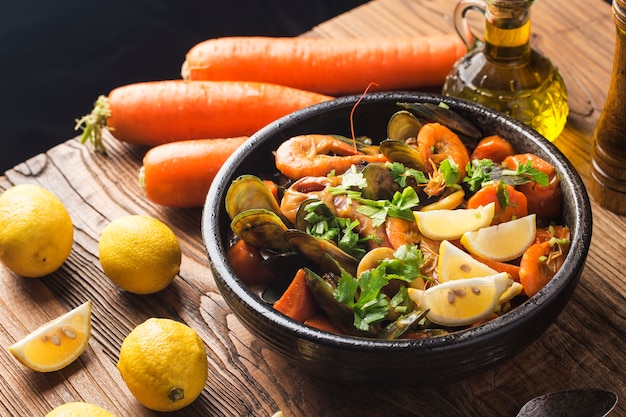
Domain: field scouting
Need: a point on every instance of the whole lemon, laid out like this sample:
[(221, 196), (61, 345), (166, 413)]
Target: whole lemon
[(139, 253), (164, 364), (79, 409), (36, 231)]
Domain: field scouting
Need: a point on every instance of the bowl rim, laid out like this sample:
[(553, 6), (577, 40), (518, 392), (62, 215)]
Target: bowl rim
[(580, 239)]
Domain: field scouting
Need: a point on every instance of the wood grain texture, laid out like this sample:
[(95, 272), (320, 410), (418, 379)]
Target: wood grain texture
[(584, 348)]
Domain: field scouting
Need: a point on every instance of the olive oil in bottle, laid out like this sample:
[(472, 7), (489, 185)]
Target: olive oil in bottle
[(503, 72)]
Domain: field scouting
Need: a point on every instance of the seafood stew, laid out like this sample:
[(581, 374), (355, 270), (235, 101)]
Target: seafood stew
[(421, 167), (396, 362)]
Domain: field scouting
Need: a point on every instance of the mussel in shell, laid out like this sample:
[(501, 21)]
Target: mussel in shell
[(403, 125), (317, 207), (260, 228), (322, 253), (249, 192), (323, 289), (437, 113), (397, 328), (380, 182), (402, 152)]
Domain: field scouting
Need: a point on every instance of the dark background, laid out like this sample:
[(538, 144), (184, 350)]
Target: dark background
[(57, 57)]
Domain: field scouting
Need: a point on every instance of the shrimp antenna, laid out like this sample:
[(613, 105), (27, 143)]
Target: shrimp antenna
[(370, 85)]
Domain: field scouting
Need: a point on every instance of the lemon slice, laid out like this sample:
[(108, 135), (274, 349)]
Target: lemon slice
[(463, 301), (502, 242), (451, 224), (454, 263), (513, 291), (57, 343)]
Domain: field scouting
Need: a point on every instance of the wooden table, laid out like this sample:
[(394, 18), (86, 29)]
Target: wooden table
[(584, 348)]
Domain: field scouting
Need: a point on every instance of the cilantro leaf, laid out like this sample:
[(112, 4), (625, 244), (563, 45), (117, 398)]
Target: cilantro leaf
[(399, 206), (485, 171), (478, 173), (400, 173), (406, 263), (533, 174), (364, 296), (450, 172)]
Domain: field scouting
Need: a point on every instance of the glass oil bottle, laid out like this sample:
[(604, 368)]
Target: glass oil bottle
[(503, 72)]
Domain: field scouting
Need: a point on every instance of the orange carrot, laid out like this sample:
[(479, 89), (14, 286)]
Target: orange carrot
[(322, 322), (247, 263), (493, 147), (328, 66), (515, 207), (179, 174), (153, 113), (298, 302)]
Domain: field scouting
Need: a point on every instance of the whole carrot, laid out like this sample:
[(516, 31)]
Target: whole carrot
[(153, 113), (328, 66), (179, 174)]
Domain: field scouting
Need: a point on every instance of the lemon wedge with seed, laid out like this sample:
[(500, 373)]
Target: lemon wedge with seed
[(463, 301), (455, 263), (451, 224), (502, 242), (57, 343)]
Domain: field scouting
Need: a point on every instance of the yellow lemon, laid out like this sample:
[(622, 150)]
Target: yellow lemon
[(139, 253), (451, 224), (454, 263), (36, 231), (463, 301), (164, 364), (504, 241), (513, 291), (57, 343), (79, 409)]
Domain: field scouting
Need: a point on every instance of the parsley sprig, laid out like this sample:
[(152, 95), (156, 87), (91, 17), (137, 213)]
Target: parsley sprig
[(342, 231), (364, 295), (485, 171)]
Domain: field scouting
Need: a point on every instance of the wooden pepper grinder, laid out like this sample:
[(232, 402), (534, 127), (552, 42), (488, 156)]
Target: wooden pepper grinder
[(608, 169)]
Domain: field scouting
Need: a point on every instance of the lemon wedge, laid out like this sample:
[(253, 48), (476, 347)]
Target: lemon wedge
[(454, 263), (513, 291), (57, 343), (502, 242), (463, 301), (451, 224)]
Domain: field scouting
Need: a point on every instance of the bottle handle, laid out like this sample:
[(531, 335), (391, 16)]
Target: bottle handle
[(471, 40)]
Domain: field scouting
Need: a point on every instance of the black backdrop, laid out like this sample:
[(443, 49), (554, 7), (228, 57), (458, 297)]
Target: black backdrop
[(56, 57)]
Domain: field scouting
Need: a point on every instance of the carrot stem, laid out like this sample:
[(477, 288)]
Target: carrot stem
[(93, 123)]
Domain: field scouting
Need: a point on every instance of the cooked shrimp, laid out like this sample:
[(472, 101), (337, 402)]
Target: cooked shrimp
[(319, 155), (436, 143), (543, 259), (401, 232), (305, 188)]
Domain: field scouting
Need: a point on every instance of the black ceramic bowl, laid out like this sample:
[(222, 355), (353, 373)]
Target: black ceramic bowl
[(438, 359)]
